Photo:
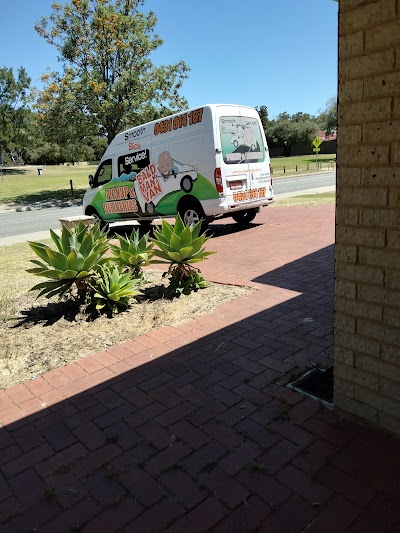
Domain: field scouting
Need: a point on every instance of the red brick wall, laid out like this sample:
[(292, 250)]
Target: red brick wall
[(367, 296)]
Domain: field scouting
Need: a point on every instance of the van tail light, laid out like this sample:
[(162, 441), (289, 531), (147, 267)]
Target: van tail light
[(218, 179)]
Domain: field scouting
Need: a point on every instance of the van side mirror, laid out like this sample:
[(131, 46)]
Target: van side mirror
[(91, 180)]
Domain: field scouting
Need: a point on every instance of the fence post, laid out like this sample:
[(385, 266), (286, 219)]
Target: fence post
[(296, 168), (284, 169), (72, 187)]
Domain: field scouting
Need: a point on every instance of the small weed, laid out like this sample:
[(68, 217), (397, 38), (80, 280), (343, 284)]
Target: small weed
[(112, 439), (170, 468), (116, 500), (283, 416), (112, 472), (210, 466), (63, 469), (256, 466), (49, 494), (273, 507)]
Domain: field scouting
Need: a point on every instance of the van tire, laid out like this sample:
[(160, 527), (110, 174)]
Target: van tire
[(98, 220), (186, 184), (243, 218), (191, 213)]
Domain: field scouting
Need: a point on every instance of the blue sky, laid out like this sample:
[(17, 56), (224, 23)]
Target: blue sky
[(282, 54)]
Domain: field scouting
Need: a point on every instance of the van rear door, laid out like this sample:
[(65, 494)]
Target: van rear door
[(257, 157), (245, 160)]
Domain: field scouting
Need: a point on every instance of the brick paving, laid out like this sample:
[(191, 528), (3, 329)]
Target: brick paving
[(191, 427)]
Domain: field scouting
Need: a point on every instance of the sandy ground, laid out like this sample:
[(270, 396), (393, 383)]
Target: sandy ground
[(42, 336)]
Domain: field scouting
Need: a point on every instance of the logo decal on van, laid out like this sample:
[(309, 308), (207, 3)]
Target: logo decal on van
[(148, 182), (181, 121), (137, 157), (253, 194), (132, 134), (120, 200)]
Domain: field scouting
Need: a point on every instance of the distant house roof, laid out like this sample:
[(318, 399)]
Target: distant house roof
[(327, 137)]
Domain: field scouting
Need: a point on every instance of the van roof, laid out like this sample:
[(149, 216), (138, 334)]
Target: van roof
[(176, 114)]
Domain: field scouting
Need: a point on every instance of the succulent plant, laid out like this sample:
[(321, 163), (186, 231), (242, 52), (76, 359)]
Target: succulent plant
[(114, 289), (181, 246), (133, 253), (80, 252)]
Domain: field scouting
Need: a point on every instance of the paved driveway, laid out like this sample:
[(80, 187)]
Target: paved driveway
[(191, 427)]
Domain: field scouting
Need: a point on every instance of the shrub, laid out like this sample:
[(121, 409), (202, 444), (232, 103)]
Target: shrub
[(133, 253), (78, 256), (113, 289), (181, 246)]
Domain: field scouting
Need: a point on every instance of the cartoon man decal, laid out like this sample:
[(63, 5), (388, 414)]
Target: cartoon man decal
[(166, 166), (127, 175)]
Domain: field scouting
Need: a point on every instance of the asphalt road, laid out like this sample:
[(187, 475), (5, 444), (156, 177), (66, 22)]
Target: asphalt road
[(284, 187), (31, 225)]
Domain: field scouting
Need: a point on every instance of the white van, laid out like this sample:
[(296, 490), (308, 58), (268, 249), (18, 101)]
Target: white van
[(205, 163)]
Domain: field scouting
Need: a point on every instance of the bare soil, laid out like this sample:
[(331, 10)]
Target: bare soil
[(44, 335)]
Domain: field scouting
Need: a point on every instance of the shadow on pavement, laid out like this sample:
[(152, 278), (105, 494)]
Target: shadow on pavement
[(308, 275), (194, 424), (47, 199)]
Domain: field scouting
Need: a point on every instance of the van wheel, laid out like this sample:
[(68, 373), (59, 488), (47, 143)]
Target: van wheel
[(98, 220), (245, 217), (192, 213), (187, 184)]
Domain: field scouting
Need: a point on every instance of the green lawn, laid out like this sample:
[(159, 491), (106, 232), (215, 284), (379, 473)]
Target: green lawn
[(305, 163), (24, 186), (307, 200)]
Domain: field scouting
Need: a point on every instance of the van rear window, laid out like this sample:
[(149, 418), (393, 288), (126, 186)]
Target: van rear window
[(241, 140)]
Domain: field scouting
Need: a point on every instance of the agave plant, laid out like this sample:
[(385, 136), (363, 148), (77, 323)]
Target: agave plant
[(79, 253), (133, 253), (114, 289), (193, 282), (181, 246)]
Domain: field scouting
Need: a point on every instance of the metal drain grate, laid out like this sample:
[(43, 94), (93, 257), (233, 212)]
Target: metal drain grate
[(316, 383)]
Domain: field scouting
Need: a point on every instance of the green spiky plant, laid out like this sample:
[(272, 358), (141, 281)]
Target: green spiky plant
[(181, 246), (114, 289), (79, 254), (133, 253)]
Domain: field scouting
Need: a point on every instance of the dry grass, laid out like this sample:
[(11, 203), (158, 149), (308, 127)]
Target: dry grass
[(39, 335)]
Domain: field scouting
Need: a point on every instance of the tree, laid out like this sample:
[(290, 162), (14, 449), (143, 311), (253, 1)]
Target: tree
[(15, 115), (108, 81), (263, 114), (328, 116), (287, 130)]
